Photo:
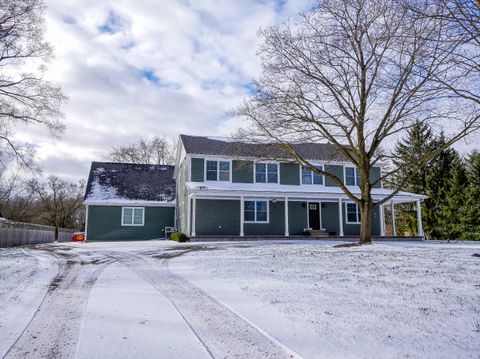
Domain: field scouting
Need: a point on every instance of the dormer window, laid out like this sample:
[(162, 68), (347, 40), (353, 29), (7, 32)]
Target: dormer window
[(266, 172), (217, 171), (311, 177), (352, 176)]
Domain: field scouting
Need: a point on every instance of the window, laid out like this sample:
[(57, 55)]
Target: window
[(266, 172), (310, 177), (353, 213), (352, 176), (218, 171), (256, 211), (133, 216)]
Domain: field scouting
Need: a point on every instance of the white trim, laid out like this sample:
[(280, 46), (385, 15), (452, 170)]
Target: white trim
[(133, 217), (340, 217), (286, 218), (266, 172), (382, 220), (268, 210), (86, 221), (285, 160), (127, 203), (394, 225), (218, 160), (189, 230), (419, 219), (194, 214), (319, 213), (242, 216), (346, 213), (355, 170)]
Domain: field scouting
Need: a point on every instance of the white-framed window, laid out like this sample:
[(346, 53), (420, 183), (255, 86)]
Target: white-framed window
[(352, 213), (266, 172), (310, 177), (133, 216), (217, 170), (352, 176), (256, 212)]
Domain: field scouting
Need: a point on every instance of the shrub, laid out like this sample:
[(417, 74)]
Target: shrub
[(470, 236), (179, 237)]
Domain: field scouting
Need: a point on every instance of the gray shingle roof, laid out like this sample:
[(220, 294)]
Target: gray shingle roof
[(200, 145), (109, 181)]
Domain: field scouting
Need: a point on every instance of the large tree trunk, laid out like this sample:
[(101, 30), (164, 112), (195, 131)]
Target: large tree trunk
[(366, 221), (56, 233)]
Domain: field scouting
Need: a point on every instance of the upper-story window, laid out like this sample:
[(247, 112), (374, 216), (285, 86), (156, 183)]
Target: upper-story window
[(311, 177), (266, 172), (218, 170), (352, 176)]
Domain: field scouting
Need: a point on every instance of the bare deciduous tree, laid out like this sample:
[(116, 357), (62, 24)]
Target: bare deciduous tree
[(359, 74), (25, 97), (60, 202), (155, 151), (17, 200)]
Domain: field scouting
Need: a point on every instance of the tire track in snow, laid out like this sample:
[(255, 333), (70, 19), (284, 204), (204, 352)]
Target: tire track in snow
[(53, 330), (223, 332)]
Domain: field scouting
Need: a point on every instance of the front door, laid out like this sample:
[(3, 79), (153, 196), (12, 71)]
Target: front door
[(314, 215)]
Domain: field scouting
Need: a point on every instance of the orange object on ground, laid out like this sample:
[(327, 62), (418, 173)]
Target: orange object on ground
[(78, 236)]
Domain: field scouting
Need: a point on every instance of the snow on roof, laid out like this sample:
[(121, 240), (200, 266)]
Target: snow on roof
[(124, 182)]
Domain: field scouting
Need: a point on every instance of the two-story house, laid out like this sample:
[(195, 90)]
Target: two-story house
[(219, 187), (227, 188)]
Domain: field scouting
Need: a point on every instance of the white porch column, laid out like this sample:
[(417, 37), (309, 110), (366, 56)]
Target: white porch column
[(419, 219), (286, 217), (340, 217), (382, 221), (189, 215), (394, 225), (242, 215), (194, 213)]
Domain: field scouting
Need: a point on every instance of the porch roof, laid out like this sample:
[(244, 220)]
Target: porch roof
[(305, 192)]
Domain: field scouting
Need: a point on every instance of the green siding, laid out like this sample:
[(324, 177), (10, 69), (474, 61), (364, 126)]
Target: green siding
[(375, 174), (276, 225), (330, 220), (335, 170), (297, 217), (104, 223), (289, 174), (217, 217), (198, 167), (242, 171)]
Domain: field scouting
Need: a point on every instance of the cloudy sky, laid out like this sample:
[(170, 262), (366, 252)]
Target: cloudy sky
[(139, 68)]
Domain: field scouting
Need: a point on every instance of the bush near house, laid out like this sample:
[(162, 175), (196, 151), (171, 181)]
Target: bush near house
[(179, 237)]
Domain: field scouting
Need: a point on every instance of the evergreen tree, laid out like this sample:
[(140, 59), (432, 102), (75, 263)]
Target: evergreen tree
[(438, 175), (471, 210), (451, 224)]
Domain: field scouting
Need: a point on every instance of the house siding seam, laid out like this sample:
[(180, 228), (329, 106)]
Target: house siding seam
[(104, 223), (198, 168), (334, 170), (242, 171), (289, 174)]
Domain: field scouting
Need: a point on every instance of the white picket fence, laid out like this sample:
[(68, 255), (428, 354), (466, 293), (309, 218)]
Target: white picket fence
[(18, 234)]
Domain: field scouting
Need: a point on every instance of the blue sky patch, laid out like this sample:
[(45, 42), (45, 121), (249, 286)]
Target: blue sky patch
[(113, 24)]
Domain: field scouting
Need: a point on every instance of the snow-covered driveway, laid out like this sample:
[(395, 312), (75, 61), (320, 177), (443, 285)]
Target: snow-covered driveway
[(240, 300)]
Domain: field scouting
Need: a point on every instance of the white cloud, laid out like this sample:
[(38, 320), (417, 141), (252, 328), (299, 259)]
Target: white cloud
[(139, 68)]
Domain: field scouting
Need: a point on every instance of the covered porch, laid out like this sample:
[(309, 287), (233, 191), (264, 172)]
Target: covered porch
[(279, 211)]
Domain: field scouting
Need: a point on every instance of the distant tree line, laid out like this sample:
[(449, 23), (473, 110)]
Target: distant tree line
[(451, 182)]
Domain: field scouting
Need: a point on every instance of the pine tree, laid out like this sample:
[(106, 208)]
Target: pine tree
[(437, 178), (470, 212), (451, 225), (419, 141)]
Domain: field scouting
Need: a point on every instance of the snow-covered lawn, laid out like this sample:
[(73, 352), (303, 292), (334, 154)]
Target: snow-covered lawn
[(241, 299)]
